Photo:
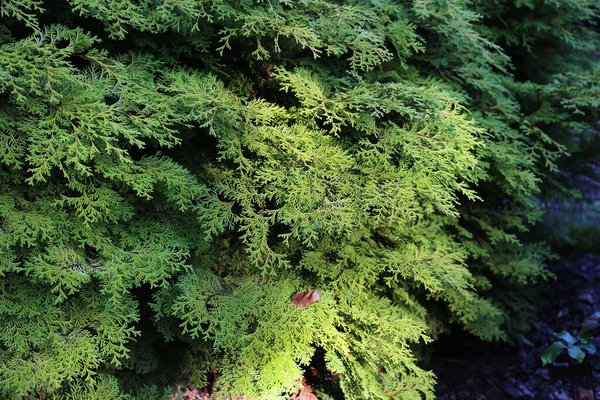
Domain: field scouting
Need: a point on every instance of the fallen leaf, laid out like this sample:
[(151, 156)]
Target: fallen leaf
[(586, 394), (307, 298), (587, 297), (560, 395), (305, 393)]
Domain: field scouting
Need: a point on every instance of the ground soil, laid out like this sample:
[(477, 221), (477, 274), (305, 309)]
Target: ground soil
[(471, 370)]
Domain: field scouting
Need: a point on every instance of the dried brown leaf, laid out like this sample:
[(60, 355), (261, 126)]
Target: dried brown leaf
[(307, 298), (586, 394)]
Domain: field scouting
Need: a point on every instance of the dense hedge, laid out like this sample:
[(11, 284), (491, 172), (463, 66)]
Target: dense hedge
[(175, 176)]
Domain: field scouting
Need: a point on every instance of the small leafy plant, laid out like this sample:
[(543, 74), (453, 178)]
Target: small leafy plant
[(578, 346), (580, 349)]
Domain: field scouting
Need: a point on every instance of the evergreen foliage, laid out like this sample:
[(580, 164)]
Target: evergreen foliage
[(172, 172)]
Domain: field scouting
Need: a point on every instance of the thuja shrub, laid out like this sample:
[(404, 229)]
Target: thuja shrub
[(213, 190)]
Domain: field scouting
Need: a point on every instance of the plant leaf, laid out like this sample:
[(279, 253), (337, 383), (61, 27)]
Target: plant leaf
[(552, 352), (589, 325), (576, 353), (566, 336), (589, 348)]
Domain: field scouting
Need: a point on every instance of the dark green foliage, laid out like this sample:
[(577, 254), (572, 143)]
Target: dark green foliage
[(170, 179)]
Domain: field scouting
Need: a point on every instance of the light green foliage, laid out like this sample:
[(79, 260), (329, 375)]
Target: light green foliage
[(168, 182), (265, 342)]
